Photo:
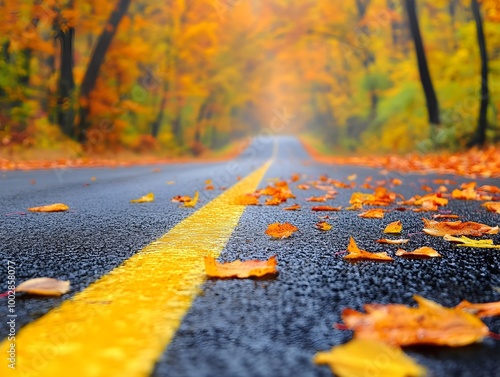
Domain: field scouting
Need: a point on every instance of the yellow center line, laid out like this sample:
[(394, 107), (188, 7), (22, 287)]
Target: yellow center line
[(121, 324)]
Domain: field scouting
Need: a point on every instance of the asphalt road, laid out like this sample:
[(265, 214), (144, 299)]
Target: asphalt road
[(249, 327)]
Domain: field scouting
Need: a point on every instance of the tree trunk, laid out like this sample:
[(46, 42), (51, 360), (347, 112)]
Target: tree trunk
[(155, 126), (480, 137), (425, 77), (92, 72), (66, 84)]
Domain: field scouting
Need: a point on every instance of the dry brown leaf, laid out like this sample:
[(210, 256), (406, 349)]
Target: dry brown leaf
[(239, 269), (394, 228), (57, 207), (323, 225), (277, 230), (457, 228), (487, 309), (393, 242), (372, 214), (44, 287), (358, 356), (144, 199), (429, 323), (326, 208), (355, 253), (422, 252)]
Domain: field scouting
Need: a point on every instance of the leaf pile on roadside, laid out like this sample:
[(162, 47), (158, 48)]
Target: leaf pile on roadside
[(240, 269)]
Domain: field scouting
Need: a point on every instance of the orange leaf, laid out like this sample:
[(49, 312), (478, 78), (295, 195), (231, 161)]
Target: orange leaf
[(373, 214), (44, 287), (431, 200), (316, 199), (393, 242), (246, 200), (430, 323), (303, 187), (277, 230), (422, 252), (487, 309), (323, 225), (394, 228), (445, 216), (357, 254), (457, 228), (492, 206), (274, 201), (240, 269), (294, 207), (326, 208), (295, 177), (181, 199), (57, 207)]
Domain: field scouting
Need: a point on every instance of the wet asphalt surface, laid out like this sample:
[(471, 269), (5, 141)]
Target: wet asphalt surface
[(251, 327)]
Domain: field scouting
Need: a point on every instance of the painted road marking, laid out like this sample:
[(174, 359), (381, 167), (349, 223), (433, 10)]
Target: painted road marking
[(125, 320)]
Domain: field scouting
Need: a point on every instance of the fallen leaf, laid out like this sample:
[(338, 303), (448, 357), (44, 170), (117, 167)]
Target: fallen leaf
[(277, 230), (393, 242), (422, 252), (303, 187), (468, 242), (246, 200), (357, 254), (144, 199), (316, 199), (44, 287), (444, 216), (394, 228), (352, 177), (191, 203), (294, 207), (457, 228), (429, 323), (492, 206), (240, 269), (57, 207), (373, 214), (209, 187), (326, 208), (323, 225), (431, 200), (156, 170), (295, 177), (358, 356), (487, 309), (170, 182), (208, 182), (181, 199), (93, 179)]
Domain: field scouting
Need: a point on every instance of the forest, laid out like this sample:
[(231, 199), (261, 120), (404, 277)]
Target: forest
[(182, 77)]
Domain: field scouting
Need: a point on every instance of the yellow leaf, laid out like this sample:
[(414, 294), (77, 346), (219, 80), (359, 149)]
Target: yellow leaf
[(373, 214), (358, 356), (468, 242), (323, 225), (492, 206), (44, 287), (144, 199), (240, 269), (394, 228), (393, 242), (192, 202), (57, 207)]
